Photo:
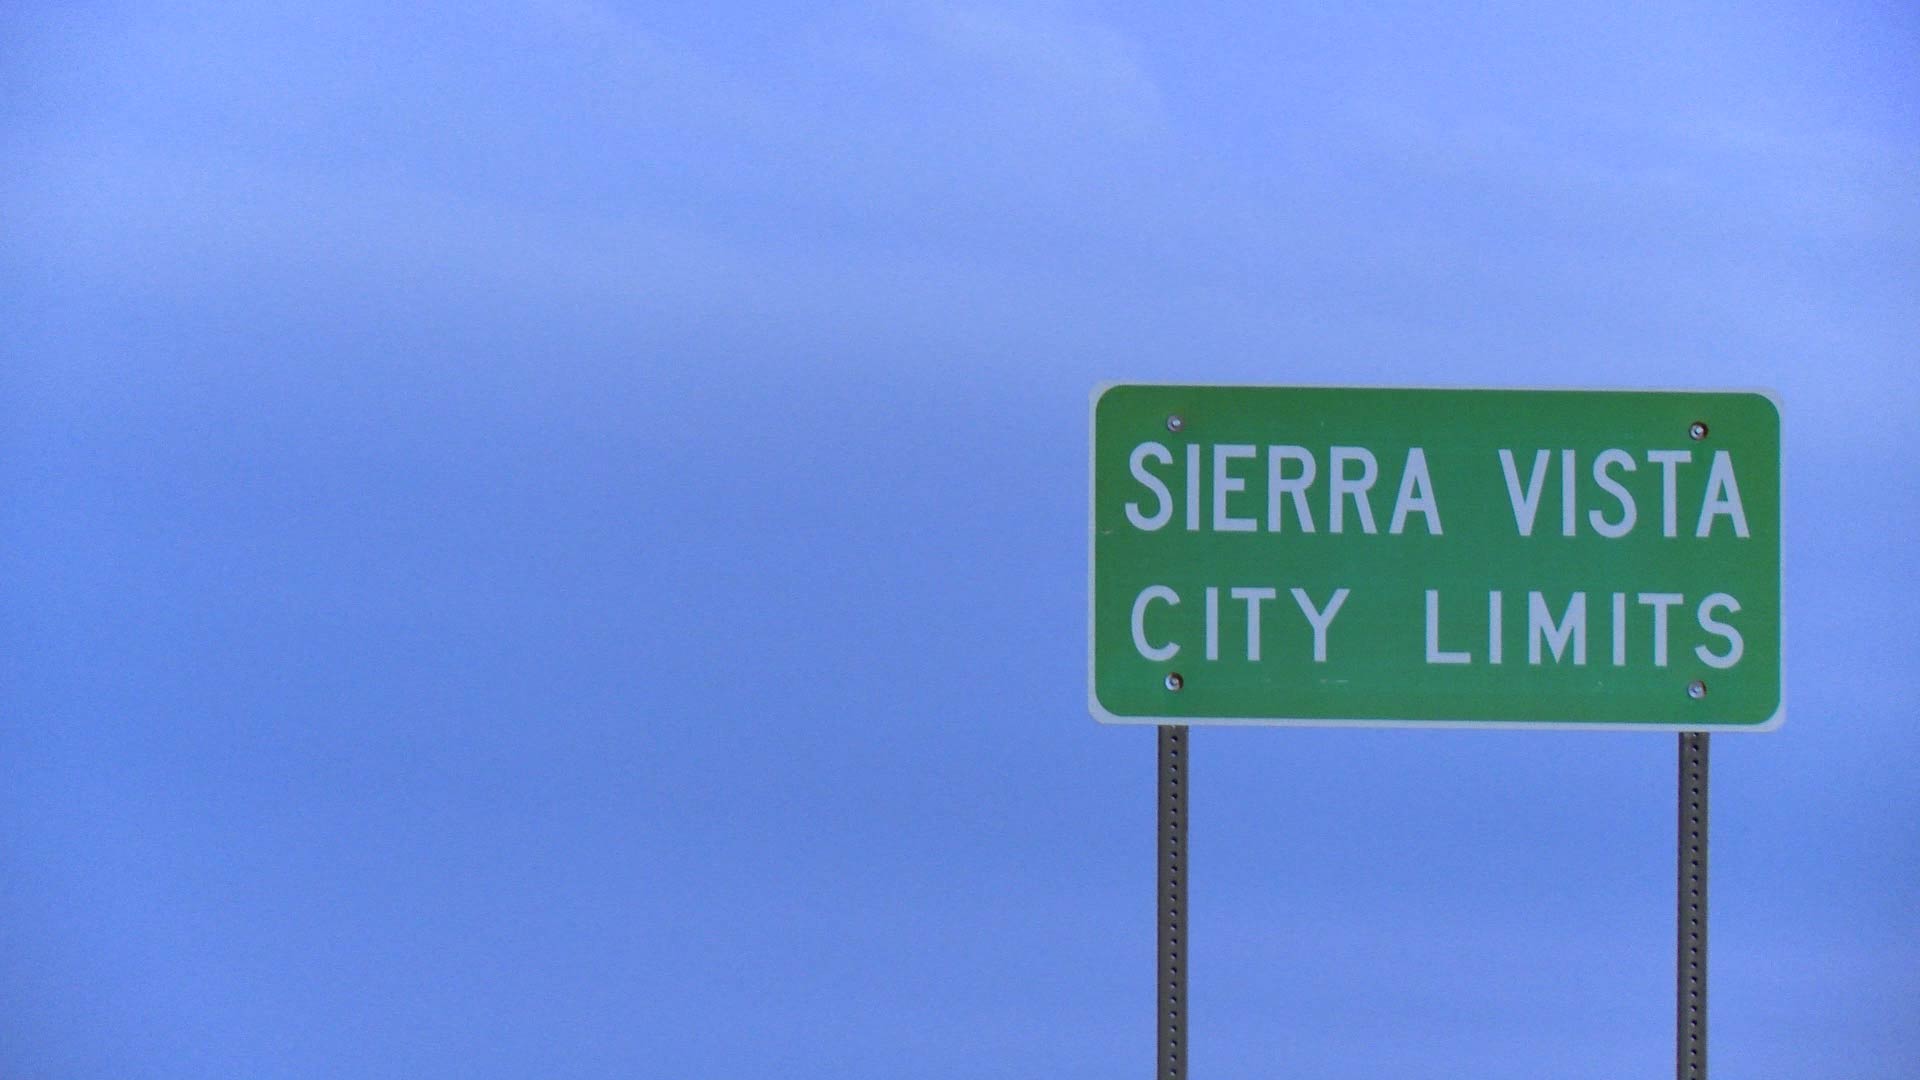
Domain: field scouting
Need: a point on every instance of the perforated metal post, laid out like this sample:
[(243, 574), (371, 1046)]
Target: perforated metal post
[(1171, 1005), (1690, 988)]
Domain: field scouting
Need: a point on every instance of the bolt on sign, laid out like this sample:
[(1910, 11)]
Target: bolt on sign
[(1513, 558)]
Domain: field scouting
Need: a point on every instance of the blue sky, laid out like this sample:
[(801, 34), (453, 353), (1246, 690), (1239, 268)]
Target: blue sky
[(549, 539)]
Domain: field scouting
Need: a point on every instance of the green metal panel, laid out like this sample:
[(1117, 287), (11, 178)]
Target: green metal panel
[(1458, 529)]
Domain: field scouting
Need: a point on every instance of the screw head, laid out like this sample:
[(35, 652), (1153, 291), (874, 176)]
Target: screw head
[(1696, 689), (1174, 681), (1175, 423), (1698, 430)]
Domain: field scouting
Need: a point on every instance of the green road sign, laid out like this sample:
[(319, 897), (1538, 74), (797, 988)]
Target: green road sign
[(1534, 558)]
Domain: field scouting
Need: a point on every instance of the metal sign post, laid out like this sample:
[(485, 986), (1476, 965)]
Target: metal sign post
[(1171, 1006), (1690, 986)]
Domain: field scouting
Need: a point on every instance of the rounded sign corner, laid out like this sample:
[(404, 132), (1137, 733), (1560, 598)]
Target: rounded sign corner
[(1099, 711), (1099, 394)]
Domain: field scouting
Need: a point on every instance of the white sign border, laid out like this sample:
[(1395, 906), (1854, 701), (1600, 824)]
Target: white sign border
[(1102, 714)]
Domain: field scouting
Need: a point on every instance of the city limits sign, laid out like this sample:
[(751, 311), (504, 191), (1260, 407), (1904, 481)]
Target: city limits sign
[(1538, 558)]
